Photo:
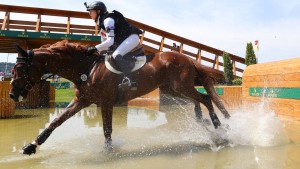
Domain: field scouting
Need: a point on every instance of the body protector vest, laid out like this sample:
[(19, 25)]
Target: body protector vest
[(122, 28)]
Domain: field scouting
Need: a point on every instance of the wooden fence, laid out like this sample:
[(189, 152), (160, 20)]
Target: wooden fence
[(230, 95), (152, 44), (277, 84), (7, 105), (38, 97)]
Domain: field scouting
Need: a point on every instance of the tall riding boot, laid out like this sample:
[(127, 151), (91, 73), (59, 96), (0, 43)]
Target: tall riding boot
[(127, 82)]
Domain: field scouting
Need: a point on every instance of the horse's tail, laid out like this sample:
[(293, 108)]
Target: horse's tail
[(205, 73)]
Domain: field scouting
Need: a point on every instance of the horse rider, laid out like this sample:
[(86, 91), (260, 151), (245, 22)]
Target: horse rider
[(117, 35)]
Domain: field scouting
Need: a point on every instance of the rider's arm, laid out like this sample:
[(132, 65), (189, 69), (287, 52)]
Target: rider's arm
[(103, 35), (109, 25)]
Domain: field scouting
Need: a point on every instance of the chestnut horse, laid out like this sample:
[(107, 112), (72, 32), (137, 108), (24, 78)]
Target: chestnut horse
[(170, 71)]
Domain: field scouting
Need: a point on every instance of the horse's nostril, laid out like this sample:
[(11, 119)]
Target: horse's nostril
[(12, 96)]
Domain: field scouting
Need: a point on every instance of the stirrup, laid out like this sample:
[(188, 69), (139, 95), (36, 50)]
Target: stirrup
[(126, 81), (127, 84)]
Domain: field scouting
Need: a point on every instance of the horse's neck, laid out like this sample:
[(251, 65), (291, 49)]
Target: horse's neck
[(69, 67), (74, 69)]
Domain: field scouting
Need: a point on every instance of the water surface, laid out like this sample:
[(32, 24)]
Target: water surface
[(144, 138)]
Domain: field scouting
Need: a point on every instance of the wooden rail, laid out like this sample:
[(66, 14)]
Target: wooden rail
[(150, 44)]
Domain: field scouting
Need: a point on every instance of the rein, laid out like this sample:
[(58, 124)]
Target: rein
[(27, 61), (85, 76)]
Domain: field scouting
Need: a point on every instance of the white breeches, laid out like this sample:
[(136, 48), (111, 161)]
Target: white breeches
[(127, 45)]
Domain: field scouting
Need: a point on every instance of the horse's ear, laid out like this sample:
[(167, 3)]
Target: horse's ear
[(21, 51)]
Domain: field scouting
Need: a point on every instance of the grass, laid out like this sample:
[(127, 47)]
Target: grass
[(64, 95)]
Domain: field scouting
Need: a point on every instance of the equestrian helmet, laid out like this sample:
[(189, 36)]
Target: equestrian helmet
[(97, 5)]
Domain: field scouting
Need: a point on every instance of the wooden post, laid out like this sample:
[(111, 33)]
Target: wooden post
[(38, 23), (69, 25), (142, 37), (181, 48), (234, 67), (5, 21), (216, 62), (162, 44), (198, 58)]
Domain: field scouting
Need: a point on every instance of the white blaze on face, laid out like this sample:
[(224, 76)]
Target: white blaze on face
[(20, 98), (12, 79)]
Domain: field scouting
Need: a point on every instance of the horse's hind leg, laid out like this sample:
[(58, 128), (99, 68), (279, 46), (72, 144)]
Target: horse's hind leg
[(208, 85), (167, 89), (192, 93), (198, 111)]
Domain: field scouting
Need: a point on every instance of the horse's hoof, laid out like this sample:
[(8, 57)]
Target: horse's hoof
[(225, 126), (216, 123), (29, 149), (206, 122), (108, 144), (227, 116)]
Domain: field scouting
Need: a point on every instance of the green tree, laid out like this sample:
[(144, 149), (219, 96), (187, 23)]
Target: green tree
[(250, 55), (228, 73)]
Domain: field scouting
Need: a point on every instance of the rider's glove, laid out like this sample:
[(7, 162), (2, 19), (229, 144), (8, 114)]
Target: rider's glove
[(91, 50)]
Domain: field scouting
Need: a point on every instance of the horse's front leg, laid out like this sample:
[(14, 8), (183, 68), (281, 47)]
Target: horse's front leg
[(70, 110), (107, 111)]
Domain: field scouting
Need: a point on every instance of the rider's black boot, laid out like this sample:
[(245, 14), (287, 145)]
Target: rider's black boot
[(127, 83)]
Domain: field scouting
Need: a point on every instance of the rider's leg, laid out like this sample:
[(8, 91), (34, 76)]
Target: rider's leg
[(123, 65), (126, 46)]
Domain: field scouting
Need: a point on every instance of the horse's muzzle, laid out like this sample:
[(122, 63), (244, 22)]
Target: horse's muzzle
[(12, 96), (16, 98)]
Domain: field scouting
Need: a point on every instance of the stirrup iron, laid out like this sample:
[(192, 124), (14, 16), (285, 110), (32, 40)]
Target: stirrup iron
[(127, 81), (127, 84)]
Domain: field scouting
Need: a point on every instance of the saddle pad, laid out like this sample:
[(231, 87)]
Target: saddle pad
[(140, 62)]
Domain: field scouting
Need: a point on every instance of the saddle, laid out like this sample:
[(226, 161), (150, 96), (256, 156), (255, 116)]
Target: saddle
[(131, 58)]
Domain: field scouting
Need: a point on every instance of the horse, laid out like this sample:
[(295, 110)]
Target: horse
[(170, 71)]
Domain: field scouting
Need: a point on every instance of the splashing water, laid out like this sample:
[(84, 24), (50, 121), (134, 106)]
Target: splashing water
[(258, 126)]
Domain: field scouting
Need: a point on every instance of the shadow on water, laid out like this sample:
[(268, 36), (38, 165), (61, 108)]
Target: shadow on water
[(60, 105), (167, 149), (171, 150), (23, 116)]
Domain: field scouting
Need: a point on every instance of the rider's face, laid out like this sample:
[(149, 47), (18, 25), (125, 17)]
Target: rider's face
[(93, 14)]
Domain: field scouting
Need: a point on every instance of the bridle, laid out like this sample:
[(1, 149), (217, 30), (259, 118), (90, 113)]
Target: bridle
[(27, 61)]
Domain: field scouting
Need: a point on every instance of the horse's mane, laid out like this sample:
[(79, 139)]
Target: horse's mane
[(65, 46)]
